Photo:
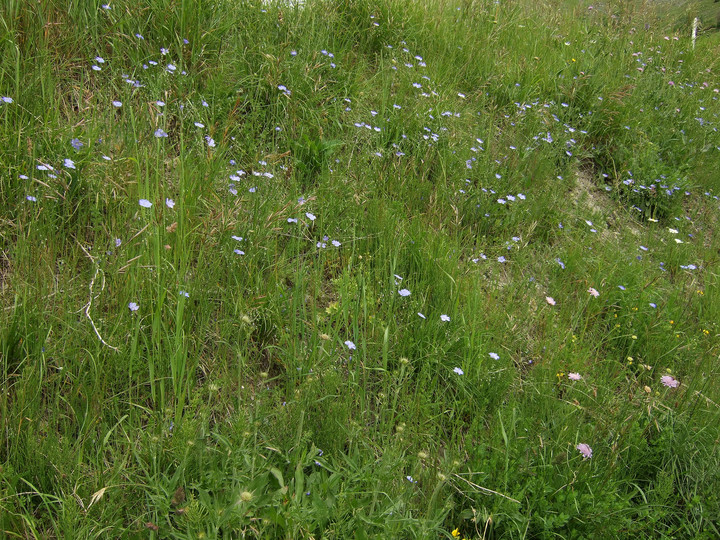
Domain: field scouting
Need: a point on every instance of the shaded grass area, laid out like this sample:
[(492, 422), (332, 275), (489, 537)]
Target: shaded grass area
[(357, 270)]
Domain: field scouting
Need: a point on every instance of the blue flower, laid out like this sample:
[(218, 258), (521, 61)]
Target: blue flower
[(159, 133), (145, 203), (133, 306), (459, 371), (404, 292), (350, 345), (494, 356)]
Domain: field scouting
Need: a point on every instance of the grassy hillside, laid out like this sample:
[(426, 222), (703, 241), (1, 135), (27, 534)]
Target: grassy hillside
[(442, 269)]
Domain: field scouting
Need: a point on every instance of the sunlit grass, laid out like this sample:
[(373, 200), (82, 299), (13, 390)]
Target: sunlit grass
[(357, 270)]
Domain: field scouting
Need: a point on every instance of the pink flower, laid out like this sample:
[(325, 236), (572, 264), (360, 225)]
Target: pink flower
[(574, 376), (585, 450), (593, 292), (669, 381), (550, 300)]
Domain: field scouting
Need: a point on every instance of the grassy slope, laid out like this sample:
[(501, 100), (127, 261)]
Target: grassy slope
[(294, 392)]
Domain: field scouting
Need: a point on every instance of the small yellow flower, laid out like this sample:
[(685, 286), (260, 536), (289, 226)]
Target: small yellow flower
[(672, 322), (706, 332), (456, 533), (700, 292), (634, 336)]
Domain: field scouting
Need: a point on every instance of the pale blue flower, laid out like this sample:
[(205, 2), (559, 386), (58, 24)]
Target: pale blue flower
[(145, 203), (459, 371), (350, 345), (494, 356), (310, 216), (444, 318), (133, 306), (160, 133), (169, 203)]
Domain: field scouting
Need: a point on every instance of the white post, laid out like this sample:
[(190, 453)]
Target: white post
[(694, 31)]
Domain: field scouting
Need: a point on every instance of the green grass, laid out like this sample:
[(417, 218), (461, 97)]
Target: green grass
[(499, 161)]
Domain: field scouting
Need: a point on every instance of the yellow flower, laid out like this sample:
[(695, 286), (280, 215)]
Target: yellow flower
[(456, 533)]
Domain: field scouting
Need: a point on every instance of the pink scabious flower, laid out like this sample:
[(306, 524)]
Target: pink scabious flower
[(585, 450), (593, 292), (669, 381), (574, 376), (550, 300)]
